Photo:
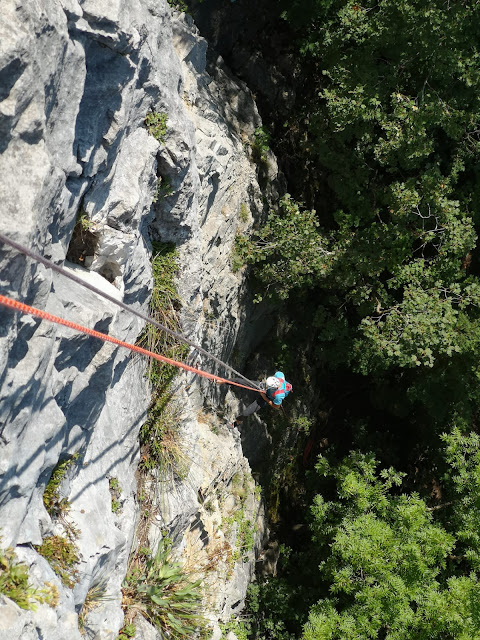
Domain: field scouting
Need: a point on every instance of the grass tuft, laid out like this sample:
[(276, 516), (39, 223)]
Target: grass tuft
[(161, 441), (94, 598), (164, 305), (54, 504), (159, 435), (158, 587), (244, 212)]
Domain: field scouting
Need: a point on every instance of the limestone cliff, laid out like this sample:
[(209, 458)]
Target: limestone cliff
[(77, 80)]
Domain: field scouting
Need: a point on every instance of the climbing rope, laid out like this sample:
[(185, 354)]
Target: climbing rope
[(51, 265), (44, 315)]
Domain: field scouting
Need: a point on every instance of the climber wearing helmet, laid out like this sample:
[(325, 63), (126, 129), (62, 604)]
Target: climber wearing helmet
[(276, 389)]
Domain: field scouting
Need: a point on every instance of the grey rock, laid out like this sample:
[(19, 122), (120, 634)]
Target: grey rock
[(11, 618), (144, 630), (76, 81)]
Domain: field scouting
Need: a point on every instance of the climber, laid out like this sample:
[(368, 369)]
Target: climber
[(276, 390)]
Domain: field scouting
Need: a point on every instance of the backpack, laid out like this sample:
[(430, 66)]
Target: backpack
[(285, 388)]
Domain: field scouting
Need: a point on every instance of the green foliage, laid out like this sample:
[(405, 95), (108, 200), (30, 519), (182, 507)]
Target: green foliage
[(244, 212), (160, 589), (62, 555), (160, 438), (163, 307), (156, 124), (181, 5), (261, 145), (302, 423), (163, 188), (159, 434), (54, 504), (384, 562), (60, 551), (461, 501), (245, 535), (115, 492), (84, 221), (240, 628), (390, 141), (14, 584), (245, 529), (127, 631), (275, 609), (288, 249)]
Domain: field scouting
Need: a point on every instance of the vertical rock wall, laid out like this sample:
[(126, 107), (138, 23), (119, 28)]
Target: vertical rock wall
[(76, 82)]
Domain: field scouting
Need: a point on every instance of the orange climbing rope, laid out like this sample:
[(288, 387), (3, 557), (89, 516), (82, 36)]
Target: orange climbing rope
[(87, 285), (44, 315)]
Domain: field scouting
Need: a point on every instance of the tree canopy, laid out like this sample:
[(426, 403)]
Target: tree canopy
[(392, 138), (385, 563), (378, 249)]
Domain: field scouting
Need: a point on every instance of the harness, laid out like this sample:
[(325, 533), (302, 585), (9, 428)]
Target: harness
[(284, 388)]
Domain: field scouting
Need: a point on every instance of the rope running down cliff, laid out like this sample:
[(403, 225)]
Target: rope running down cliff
[(44, 315), (51, 265)]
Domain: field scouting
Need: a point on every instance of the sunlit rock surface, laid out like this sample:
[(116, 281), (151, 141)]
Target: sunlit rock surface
[(76, 82)]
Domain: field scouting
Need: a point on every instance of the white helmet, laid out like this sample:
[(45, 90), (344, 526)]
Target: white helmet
[(273, 382)]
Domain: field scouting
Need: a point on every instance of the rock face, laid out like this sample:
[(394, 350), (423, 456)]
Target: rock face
[(81, 179)]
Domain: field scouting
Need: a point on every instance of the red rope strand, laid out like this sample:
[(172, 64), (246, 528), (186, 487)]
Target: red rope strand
[(44, 315)]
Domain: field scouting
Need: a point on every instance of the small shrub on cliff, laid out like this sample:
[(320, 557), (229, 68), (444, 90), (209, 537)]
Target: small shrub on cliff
[(240, 628), (180, 5), (260, 145), (127, 631), (156, 124), (14, 584), (159, 589), (115, 492), (160, 439), (54, 504), (62, 555)]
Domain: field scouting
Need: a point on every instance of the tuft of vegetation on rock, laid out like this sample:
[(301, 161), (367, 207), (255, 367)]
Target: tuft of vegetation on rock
[(161, 590), (156, 124), (14, 584), (54, 504), (62, 554), (159, 434), (115, 492)]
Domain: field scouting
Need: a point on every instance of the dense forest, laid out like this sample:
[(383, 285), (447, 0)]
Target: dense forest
[(372, 262)]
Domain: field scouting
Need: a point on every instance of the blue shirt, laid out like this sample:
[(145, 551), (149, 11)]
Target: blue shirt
[(281, 392)]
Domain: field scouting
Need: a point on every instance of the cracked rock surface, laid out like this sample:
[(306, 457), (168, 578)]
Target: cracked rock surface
[(79, 174)]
